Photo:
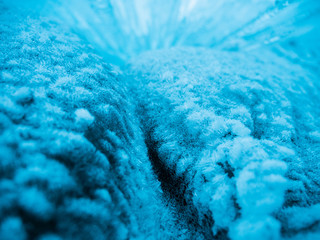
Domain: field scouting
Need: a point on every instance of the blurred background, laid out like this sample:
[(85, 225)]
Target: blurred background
[(121, 29)]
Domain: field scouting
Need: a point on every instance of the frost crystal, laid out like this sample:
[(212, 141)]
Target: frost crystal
[(207, 128)]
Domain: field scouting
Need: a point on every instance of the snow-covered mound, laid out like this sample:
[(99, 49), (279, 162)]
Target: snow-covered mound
[(238, 135), (216, 136), (73, 163)]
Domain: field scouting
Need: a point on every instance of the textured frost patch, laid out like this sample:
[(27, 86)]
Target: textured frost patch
[(69, 167), (236, 128)]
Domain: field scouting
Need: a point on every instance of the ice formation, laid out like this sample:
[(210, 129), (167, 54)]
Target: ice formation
[(235, 136), (209, 128), (73, 160)]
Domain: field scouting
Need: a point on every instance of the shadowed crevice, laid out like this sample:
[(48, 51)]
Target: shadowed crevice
[(176, 194)]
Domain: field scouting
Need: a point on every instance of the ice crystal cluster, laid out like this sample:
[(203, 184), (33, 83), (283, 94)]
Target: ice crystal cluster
[(152, 119)]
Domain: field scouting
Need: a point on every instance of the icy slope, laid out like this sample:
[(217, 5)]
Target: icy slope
[(73, 161), (239, 134)]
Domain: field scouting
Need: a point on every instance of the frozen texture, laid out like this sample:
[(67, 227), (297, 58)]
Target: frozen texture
[(216, 139), (240, 134), (73, 161)]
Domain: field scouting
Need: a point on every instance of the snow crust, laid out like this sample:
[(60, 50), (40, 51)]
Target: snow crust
[(73, 161), (237, 128), (214, 136)]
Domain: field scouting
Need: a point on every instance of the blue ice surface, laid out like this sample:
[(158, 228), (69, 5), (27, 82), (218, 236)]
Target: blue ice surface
[(152, 119)]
